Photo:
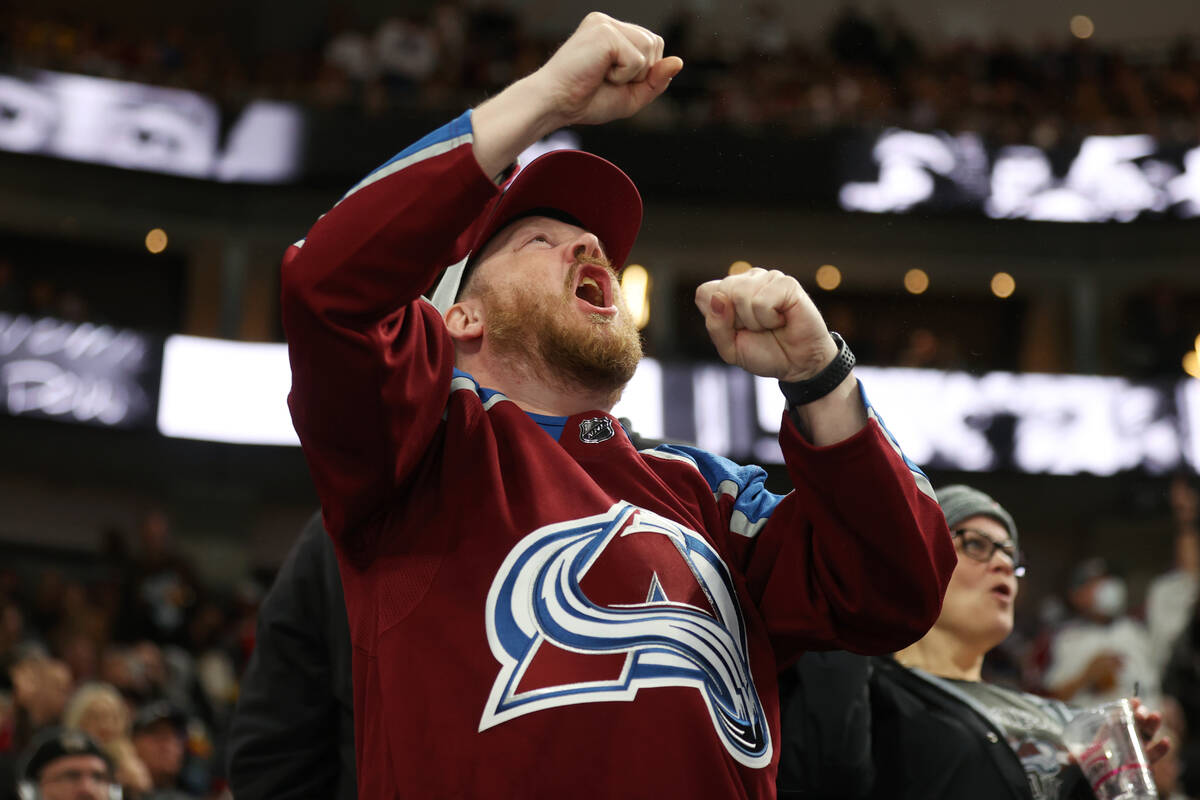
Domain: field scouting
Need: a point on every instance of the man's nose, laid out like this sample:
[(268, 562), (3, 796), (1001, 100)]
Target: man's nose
[(586, 244)]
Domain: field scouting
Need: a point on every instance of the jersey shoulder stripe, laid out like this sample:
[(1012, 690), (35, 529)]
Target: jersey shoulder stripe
[(752, 503), (919, 477), (446, 138), (461, 381)]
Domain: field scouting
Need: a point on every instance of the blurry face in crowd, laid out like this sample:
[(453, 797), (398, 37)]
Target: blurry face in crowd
[(83, 777), (105, 719), (42, 686), (550, 298), (978, 609), (160, 746), (1101, 598)]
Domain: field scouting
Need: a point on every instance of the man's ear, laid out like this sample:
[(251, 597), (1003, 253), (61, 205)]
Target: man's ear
[(464, 320)]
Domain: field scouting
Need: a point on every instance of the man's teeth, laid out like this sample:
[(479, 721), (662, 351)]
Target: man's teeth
[(590, 291)]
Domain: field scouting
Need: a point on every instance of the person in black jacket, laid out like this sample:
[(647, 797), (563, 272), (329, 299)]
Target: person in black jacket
[(923, 724), (292, 735)]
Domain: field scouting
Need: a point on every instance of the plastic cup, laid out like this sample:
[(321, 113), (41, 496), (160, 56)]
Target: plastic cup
[(1105, 742)]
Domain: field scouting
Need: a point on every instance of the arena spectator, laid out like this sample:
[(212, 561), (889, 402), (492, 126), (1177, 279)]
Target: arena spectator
[(160, 584), (870, 70), (1101, 654), (407, 55), (924, 724), (66, 765), (98, 710), (1171, 596), (347, 69), (280, 749), (160, 741), (40, 688)]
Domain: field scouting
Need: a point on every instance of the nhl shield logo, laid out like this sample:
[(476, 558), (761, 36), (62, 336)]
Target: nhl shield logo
[(596, 430)]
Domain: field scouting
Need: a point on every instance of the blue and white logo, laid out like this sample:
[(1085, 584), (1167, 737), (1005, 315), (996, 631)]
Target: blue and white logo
[(536, 599)]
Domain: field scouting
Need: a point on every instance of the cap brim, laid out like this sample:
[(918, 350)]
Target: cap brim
[(582, 185)]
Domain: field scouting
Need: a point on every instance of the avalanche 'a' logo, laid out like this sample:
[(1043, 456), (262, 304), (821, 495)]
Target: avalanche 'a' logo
[(563, 624)]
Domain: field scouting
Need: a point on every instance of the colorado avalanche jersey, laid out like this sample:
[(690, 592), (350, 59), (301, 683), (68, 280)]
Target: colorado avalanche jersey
[(537, 609)]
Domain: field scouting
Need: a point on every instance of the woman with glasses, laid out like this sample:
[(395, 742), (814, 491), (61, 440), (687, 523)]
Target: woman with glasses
[(923, 723)]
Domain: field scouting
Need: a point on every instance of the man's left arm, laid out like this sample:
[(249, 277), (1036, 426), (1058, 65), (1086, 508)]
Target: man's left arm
[(858, 555)]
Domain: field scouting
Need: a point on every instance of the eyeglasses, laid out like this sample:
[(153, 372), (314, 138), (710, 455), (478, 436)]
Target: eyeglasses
[(981, 547)]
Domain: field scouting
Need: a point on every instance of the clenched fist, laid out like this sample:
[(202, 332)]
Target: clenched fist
[(765, 323), (606, 70)]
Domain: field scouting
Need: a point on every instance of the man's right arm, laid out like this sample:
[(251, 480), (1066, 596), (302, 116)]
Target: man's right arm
[(370, 363)]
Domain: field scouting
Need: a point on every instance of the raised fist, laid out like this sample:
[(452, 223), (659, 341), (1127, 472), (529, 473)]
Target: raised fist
[(765, 323), (607, 70)]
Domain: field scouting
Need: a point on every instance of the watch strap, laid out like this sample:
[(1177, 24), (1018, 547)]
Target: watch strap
[(799, 393)]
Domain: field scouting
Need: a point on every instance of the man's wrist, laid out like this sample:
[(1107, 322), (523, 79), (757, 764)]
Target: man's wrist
[(504, 125), (831, 376)]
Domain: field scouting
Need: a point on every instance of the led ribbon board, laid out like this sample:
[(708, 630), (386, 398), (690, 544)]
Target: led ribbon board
[(151, 128), (236, 392), (1104, 179), (77, 372)]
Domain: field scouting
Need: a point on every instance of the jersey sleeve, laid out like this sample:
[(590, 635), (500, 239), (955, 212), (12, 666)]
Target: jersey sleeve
[(370, 360), (856, 557)]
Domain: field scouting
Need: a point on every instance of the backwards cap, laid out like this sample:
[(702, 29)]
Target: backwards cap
[(580, 185)]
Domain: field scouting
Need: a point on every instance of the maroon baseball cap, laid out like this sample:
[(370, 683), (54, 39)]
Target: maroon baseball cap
[(581, 187)]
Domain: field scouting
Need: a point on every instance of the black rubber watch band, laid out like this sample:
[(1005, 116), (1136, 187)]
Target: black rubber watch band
[(799, 393)]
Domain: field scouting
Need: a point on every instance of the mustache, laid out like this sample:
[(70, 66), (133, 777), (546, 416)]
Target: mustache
[(582, 260)]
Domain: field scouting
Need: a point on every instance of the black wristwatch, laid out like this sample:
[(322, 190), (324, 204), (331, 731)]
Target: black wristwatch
[(799, 393)]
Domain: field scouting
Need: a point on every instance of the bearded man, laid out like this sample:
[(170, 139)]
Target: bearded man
[(537, 609)]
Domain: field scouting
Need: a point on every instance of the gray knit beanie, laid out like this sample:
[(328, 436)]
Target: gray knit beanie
[(961, 502)]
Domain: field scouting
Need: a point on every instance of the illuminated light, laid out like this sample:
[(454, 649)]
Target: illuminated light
[(1082, 26), (738, 267), (1198, 343), (916, 281), (1191, 363), (156, 240), (829, 277), (1003, 285), (635, 285)]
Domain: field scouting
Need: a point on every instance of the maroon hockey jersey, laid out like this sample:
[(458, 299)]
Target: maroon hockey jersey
[(537, 609)]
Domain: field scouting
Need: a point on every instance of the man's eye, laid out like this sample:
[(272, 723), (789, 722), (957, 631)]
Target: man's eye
[(541, 237)]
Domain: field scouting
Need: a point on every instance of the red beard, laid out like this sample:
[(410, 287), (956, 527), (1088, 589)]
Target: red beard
[(544, 331)]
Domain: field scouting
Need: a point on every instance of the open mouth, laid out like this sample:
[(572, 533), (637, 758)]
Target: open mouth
[(1003, 590), (594, 286)]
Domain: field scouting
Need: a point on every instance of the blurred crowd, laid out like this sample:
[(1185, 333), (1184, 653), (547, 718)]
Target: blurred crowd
[(868, 70), (1092, 641), (130, 649), (136, 652)]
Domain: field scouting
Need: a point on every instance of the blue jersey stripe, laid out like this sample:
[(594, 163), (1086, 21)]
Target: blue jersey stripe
[(552, 425), (919, 476), (451, 135), (752, 503)]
